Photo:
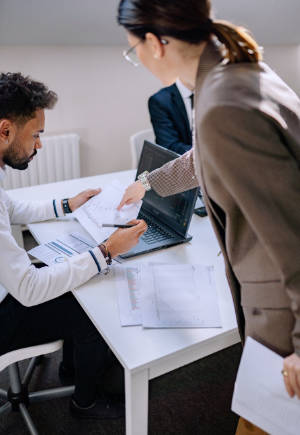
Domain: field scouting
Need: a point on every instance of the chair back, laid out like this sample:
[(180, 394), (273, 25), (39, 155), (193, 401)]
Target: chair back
[(136, 144), (28, 352)]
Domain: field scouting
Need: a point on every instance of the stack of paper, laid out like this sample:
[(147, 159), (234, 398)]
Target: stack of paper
[(260, 395), (167, 296)]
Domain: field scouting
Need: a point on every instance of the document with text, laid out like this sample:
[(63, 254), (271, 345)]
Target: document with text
[(260, 395), (102, 209), (179, 296), (128, 283), (167, 296), (62, 248)]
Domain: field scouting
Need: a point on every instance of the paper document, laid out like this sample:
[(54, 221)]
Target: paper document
[(102, 209), (260, 395), (62, 248), (128, 282), (179, 295), (167, 296)]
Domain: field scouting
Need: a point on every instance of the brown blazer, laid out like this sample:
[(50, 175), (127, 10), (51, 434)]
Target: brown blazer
[(246, 158)]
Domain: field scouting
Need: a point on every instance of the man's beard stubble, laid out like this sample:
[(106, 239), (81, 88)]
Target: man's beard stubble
[(11, 157)]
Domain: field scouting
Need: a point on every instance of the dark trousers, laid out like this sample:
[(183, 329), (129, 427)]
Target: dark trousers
[(60, 318)]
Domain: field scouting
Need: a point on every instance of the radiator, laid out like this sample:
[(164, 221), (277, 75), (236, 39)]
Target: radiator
[(58, 160)]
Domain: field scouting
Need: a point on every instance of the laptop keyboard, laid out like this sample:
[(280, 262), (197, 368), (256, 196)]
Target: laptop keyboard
[(154, 233)]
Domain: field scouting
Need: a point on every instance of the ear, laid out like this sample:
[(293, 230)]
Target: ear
[(7, 131), (156, 47)]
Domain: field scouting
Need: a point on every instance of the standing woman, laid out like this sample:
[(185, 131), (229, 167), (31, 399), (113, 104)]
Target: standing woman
[(246, 157)]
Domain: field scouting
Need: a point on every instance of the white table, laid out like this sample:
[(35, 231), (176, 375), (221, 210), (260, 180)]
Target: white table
[(144, 354)]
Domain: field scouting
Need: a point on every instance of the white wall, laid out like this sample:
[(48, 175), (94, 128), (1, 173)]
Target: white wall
[(285, 60), (101, 97)]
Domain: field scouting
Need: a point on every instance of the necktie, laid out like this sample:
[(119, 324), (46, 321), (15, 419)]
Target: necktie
[(192, 100)]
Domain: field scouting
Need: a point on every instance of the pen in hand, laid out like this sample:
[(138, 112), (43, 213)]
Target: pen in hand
[(117, 226)]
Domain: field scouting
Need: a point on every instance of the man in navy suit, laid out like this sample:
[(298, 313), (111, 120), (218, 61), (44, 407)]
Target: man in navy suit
[(171, 116)]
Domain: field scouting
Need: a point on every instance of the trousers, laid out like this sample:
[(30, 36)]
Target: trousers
[(61, 318), (246, 428)]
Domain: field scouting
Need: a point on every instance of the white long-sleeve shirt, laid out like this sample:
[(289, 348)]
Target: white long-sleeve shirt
[(29, 285)]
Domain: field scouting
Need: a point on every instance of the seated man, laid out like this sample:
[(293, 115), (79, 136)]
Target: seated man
[(36, 305), (171, 113)]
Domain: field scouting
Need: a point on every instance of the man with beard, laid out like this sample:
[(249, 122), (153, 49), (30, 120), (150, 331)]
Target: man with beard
[(31, 298)]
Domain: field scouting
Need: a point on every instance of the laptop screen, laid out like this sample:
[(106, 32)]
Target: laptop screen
[(176, 210)]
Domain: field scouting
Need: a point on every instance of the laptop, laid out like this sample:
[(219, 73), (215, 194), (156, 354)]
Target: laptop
[(168, 218)]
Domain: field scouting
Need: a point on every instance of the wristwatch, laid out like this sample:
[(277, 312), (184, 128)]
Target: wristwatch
[(65, 205), (143, 178)]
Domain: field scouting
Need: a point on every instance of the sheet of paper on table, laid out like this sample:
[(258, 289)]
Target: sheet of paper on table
[(102, 208), (62, 248), (179, 296), (260, 395), (128, 282), (167, 296)]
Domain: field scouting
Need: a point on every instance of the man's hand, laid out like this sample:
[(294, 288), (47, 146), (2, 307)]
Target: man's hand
[(134, 193), (291, 374), (82, 198), (124, 239)]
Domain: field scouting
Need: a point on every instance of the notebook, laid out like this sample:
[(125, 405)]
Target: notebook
[(168, 218)]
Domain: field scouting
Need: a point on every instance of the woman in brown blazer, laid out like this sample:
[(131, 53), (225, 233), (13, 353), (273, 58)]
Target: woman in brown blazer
[(246, 158)]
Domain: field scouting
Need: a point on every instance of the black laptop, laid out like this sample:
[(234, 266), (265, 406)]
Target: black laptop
[(168, 218)]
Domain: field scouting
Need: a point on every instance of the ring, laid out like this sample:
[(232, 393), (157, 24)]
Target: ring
[(284, 373)]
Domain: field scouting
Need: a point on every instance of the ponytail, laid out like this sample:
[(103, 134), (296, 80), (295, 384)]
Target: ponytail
[(239, 45)]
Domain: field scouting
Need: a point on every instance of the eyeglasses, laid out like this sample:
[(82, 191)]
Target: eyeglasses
[(131, 56)]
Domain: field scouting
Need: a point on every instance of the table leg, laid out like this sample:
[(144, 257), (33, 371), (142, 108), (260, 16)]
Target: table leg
[(136, 392)]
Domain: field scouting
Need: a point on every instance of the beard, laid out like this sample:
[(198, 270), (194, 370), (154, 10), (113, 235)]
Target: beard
[(13, 158)]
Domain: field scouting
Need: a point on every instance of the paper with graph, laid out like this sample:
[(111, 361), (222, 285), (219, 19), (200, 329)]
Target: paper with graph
[(63, 247), (102, 208), (179, 296), (167, 296)]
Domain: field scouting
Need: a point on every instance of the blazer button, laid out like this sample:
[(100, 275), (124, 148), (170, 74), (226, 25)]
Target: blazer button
[(256, 311)]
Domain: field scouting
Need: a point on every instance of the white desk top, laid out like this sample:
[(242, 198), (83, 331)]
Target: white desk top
[(136, 347)]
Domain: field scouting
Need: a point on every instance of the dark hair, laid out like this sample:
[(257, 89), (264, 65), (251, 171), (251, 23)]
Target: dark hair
[(21, 96), (188, 21)]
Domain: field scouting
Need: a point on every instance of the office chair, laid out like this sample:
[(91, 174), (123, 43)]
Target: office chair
[(136, 144), (17, 397)]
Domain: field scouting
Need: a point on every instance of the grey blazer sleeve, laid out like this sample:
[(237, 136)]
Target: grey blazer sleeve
[(175, 176), (253, 155)]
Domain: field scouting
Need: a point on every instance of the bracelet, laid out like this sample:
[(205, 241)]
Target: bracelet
[(106, 253), (143, 178), (65, 206)]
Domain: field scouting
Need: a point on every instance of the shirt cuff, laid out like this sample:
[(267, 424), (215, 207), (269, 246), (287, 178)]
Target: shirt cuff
[(98, 257), (57, 208)]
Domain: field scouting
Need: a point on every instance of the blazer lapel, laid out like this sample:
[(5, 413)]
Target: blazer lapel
[(210, 58)]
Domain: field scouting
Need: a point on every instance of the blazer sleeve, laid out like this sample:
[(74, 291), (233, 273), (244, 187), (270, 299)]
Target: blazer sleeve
[(175, 176), (252, 154), (166, 132)]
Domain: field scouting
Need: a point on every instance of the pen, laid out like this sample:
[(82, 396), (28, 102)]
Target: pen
[(117, 226)]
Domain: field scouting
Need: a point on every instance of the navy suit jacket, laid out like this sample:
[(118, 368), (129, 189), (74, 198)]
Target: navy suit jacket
[(170, 121)]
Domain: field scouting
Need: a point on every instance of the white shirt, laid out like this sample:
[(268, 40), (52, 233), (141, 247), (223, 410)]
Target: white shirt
[(29, 285), (186, 96)]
